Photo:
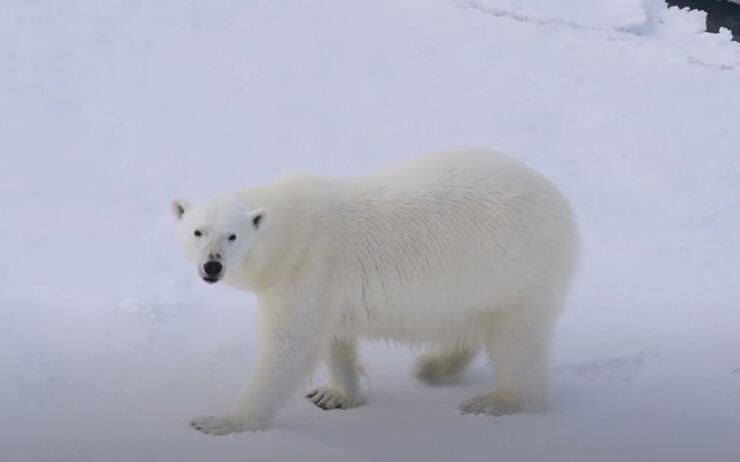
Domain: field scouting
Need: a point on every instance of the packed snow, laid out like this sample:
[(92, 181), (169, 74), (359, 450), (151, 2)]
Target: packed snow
[(110, 343)]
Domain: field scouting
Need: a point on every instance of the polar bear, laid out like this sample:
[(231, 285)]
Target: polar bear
[(459, 251)]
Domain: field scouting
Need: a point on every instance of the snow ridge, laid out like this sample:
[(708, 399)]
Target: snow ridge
[(672, 28)]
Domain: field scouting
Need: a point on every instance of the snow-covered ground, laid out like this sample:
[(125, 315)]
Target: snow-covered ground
[(109, 342)]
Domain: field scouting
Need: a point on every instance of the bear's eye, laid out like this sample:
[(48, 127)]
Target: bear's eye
[(197, 233), (232, 237)]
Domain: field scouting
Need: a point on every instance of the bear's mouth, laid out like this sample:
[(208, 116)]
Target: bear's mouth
[(210, 280)]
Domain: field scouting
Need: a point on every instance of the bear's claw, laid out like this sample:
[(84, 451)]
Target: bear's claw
[(327, 399)]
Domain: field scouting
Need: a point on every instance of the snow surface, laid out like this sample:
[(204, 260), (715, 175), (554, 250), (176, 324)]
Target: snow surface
[(109, 343)]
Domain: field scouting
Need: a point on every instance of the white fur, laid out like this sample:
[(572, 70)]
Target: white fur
[(461, 251)]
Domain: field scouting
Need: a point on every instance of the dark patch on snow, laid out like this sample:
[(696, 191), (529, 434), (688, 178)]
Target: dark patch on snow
[(720, 13)]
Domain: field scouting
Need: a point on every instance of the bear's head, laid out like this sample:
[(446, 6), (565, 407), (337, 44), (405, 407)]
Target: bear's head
[(217, 236)]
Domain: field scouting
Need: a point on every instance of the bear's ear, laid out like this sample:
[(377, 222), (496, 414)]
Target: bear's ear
[(259, 218), (179, 207)]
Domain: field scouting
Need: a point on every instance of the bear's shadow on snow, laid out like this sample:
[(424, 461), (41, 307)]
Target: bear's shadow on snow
[(411, 416), (424, 400), (413, 411), (428, 407)]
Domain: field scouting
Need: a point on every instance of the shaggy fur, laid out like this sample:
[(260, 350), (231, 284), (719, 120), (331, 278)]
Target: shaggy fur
[(459, 251)]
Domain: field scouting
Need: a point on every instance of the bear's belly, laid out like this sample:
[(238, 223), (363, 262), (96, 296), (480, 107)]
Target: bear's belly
[(408, 326)]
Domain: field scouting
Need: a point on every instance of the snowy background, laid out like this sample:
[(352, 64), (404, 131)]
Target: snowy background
[(110, 343)]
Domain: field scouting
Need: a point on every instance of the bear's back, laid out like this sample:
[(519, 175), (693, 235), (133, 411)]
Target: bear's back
[(459, 227)]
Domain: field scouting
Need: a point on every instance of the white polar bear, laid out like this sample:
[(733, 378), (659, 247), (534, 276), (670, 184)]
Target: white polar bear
[(458, 251)]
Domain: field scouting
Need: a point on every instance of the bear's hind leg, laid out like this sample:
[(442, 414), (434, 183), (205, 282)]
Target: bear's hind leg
[(342, 391), (517, 345), (443, 365)]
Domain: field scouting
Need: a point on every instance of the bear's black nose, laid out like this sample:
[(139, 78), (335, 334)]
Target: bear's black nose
[(213, 268)]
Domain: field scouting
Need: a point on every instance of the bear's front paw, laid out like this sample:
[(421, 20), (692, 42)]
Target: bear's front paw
[(223, 425), (328, 398)]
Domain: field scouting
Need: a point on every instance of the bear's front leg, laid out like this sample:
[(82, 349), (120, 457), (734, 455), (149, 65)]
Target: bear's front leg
[(287, 354), (342, 391)]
